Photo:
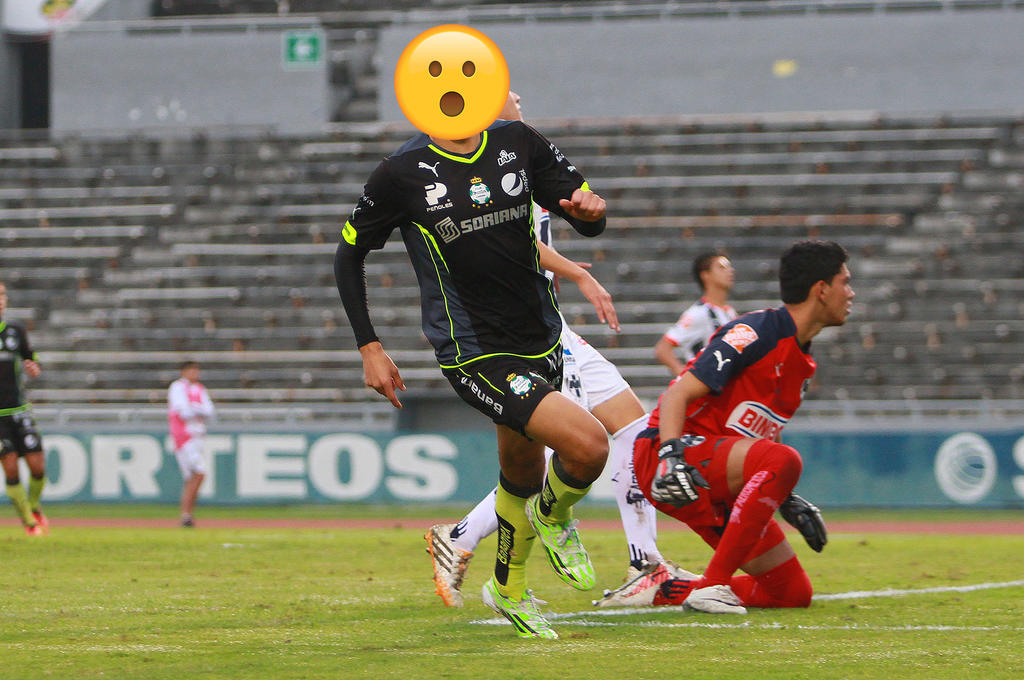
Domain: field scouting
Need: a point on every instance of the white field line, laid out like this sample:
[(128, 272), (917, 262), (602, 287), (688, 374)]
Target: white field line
[(889, 592), (586, 618)]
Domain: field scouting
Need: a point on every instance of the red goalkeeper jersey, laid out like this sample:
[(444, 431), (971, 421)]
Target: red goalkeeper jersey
[(757, 373)]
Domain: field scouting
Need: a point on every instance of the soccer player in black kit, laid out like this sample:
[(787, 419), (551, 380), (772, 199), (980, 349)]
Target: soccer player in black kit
[(18, 434), (463, 208)]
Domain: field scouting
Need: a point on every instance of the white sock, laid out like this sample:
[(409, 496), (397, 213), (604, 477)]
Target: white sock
[(480, 523), (638, 515)]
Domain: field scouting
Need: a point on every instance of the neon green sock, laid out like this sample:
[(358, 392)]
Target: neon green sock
[(35, 491), (558, 497), (17, 494), (515, 538)]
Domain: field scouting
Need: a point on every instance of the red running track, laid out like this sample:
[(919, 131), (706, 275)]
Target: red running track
[(1007, 527)]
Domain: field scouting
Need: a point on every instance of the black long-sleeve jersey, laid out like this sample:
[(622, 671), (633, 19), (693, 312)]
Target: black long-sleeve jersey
[(467, 224), (14, 348)]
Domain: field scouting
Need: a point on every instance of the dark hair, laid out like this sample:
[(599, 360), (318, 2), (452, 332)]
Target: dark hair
[(189, 364), (702, 263), (804, 264)]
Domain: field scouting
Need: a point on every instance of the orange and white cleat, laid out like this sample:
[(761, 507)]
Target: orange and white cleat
[(34, 530), (449, 564), (41, 521)]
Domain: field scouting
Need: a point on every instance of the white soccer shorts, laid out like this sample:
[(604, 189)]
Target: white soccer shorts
[(190, 458), (599, 378)]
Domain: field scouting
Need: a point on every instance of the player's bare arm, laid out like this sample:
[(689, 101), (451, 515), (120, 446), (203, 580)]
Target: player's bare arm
[(577, 272), (380, 372), (665, 353), (584, 205), (673, 405)]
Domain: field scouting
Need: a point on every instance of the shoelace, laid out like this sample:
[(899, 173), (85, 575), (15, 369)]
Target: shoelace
[(536, 601), (567, 533), (575, 552)]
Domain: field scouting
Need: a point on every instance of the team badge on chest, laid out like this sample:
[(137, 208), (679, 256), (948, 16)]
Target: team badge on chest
[(479, 192)]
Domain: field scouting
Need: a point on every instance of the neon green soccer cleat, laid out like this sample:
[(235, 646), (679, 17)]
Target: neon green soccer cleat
[(561, 542), (522, 614)]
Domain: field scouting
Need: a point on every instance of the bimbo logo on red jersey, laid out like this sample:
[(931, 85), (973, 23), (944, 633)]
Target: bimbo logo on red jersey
[(752, 419)]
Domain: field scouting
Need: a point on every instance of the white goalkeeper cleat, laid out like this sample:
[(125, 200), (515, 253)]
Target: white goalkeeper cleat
[(675, 571), (714, 600), (642, 585), (450, 564)]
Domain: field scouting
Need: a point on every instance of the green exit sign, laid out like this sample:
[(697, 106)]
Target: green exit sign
[(303, 48)]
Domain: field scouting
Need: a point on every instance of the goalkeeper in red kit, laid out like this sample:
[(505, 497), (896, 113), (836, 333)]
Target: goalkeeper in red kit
[(711, 456)]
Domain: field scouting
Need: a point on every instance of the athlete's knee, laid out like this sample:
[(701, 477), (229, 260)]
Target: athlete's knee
[(594, 454), (785, 461), (792, 462), (586, 445), (586, 460)]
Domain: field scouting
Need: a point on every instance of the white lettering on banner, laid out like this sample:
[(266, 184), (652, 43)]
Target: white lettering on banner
[(366, 468), (137, 470), (1018, 457), (74, 467), (255, 466), (965, 467), (419, 475)]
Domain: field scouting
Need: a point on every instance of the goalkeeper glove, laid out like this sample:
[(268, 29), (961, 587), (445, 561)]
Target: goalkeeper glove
[(807, 519), (675, 480)]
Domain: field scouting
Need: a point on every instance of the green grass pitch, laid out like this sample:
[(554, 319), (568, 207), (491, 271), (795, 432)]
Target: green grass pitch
[(279, 603)]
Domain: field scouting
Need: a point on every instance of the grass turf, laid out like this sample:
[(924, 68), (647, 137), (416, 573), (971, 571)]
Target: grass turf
[(308, 603)]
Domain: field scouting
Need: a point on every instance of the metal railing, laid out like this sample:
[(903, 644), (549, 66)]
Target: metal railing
[(379, 416)]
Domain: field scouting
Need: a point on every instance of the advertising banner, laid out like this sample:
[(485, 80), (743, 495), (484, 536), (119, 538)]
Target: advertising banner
[(983, 469)]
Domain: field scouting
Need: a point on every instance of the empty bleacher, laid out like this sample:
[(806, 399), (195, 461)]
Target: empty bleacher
[(128, 256)]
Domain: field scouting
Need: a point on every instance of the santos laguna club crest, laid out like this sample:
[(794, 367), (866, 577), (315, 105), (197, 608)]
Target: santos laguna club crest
[(479, 192), (520, 384)]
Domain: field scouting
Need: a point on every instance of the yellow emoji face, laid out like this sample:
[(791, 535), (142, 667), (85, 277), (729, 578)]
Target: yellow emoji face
[(451, 81)]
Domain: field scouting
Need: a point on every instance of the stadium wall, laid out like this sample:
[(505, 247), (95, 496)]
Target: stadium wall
[(229, 74), (921, 61), (983, 468)]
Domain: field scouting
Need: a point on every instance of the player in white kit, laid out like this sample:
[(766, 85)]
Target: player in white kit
[(188, 408), (715, 275)]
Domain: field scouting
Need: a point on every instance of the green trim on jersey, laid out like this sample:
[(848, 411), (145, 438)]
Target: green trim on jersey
[(17, 409), (505, 354), (3, 325), (462, 159), (432, 248), (349, 233)]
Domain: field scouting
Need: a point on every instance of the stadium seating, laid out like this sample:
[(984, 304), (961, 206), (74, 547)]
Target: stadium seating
[(127, 256)]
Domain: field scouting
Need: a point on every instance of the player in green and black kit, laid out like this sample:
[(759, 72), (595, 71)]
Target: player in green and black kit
[(463, 208), (18, 434)]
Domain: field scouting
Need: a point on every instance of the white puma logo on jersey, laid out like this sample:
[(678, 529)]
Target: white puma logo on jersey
[(721, 362), (432, 168)]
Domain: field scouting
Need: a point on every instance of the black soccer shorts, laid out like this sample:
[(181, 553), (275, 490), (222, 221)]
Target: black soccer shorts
[(507, 388), (18, 433)]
